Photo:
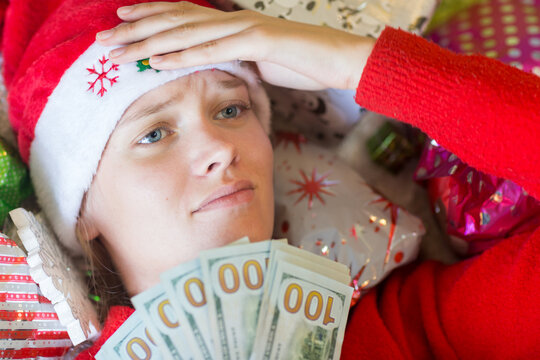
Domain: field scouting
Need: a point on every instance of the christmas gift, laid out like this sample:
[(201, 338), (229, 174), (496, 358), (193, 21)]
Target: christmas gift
[(361, 17), (29, 324), (504, 30), (324, 206), (58, 277), (447, 9), (15, 183), (393, 144), (477, 209)]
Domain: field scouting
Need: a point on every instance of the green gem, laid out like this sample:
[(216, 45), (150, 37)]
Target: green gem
[(144, 65)]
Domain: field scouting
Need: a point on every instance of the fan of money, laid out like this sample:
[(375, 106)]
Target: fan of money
[(263, 300)]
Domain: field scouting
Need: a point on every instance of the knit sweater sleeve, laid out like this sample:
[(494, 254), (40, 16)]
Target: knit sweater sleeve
[(485, 112), (488, 114), (484, 307)]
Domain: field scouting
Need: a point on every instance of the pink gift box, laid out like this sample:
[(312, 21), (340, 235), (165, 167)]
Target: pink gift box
[(508, 30), (480, 209)]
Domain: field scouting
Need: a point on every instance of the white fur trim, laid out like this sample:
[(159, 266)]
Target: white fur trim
[(75, 126)]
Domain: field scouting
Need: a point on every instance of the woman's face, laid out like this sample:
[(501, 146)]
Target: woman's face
[(189, 167)]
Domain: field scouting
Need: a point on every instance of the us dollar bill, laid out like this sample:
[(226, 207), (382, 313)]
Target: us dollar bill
[(131, 341), (324, 266), (306, 315), (233, 279), (159, 316), (185, 289), (315, 263)]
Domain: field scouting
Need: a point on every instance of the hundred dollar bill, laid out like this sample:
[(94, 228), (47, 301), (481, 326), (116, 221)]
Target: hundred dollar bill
[(306, 315), (233, 280), (324, 266), (131, 341), (316, 263), (159, 316), (320, 264), (184, 287)]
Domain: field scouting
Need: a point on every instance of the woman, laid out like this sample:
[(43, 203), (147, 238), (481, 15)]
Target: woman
[(485, 112)]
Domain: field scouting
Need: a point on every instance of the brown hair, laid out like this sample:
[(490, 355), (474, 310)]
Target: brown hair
[(105, 285)]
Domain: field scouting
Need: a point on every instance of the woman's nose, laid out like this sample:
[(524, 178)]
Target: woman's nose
[(215, 153)]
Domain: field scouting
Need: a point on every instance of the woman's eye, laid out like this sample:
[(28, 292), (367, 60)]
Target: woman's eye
[(230, 112), (153, 136)]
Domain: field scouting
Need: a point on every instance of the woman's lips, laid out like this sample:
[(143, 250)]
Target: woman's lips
[(229, 195)]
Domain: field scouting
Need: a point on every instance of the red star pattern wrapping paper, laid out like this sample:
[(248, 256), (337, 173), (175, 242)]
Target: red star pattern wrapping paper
[(324, 206)]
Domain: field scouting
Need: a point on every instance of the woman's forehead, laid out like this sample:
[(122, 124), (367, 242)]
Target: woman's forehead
[(174, 91)]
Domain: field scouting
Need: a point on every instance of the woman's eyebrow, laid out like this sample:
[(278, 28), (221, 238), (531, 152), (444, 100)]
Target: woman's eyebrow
[(147, 111), (231, 83)]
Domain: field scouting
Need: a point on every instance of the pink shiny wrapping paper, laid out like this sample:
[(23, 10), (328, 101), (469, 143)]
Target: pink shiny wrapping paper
[(480, 209)]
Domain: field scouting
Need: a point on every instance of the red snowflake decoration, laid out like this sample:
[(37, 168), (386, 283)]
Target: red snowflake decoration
[(312, 187), (102, 76), (288, 137)]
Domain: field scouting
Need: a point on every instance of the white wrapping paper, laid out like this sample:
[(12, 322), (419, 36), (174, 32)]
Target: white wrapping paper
[(324, 206)]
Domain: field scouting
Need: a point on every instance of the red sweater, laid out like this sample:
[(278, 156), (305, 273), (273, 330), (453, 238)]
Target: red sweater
[(486, 307)]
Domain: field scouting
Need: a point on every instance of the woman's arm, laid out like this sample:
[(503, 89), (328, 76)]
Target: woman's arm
[(485, 307), (484, 111), (489, 115)]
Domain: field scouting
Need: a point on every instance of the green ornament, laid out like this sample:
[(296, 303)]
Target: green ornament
[(15, 183), (393, 145)]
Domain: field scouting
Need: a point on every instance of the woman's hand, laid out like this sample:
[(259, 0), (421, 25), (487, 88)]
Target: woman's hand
[(287, 53)]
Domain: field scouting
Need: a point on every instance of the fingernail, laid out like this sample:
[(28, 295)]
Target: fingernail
[(103, 35), (156, 59), (117, 52), (124, 10)]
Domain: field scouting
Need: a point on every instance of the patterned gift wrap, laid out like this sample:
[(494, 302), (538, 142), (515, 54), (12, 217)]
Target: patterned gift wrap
[(57, 275), (29, 325), (324, 206), (479, 209), (362, 17), (508, 30)]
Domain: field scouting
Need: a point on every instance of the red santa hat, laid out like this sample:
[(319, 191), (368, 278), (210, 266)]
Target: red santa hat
[(65, 96)]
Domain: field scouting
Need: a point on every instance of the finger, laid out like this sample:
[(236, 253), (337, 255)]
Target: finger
[(233, 48), (153, 23), (139, 11), (179, 38), (285, 77), (214, 51)]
